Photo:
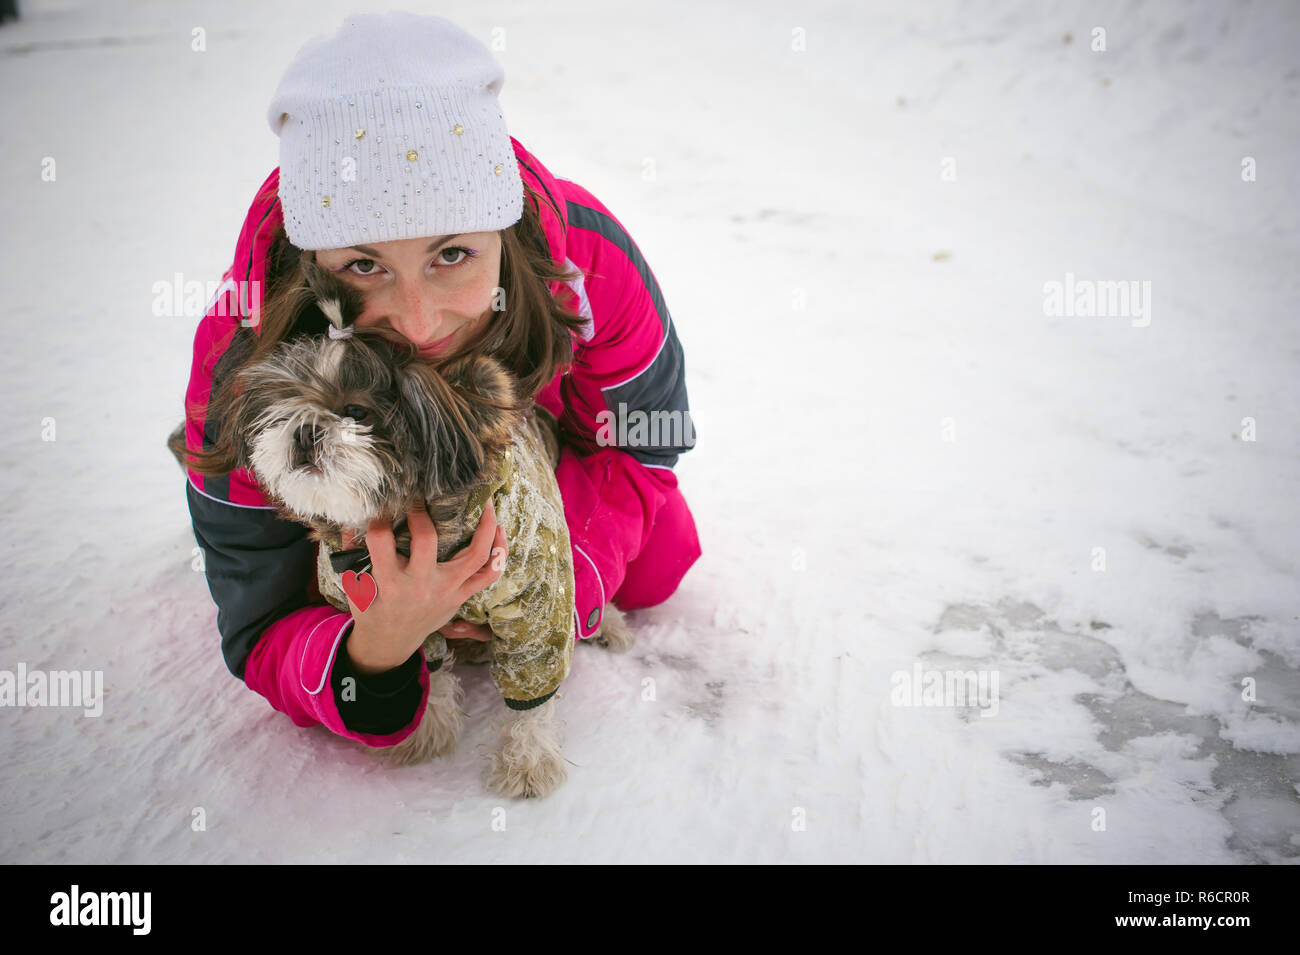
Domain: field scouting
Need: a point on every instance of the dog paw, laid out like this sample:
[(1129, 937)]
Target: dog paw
[(530, 760), (614, 634), (439, 729)]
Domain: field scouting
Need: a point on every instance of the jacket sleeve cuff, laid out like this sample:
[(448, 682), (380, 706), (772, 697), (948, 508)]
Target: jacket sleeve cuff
[(291, 666), (528, 704), (376, 704)]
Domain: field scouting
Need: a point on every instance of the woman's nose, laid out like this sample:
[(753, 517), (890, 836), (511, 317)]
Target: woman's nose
[(413, 311)]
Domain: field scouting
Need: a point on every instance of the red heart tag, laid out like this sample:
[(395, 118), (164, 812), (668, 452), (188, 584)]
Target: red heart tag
[(361, 590)]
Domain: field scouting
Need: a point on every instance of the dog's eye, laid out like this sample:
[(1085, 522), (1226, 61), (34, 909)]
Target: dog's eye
[(355, 412)]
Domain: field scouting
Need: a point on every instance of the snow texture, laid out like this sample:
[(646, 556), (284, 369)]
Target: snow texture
[(906, 465)]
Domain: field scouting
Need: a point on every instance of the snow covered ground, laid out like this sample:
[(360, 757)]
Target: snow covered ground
[(905, 464)]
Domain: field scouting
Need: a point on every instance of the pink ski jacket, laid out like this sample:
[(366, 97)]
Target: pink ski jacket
[(277, 633)]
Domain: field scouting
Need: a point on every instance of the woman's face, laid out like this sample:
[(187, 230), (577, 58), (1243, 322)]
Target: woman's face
[(434, 292)]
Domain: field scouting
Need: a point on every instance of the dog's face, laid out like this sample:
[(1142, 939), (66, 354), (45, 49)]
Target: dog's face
[(345, 430)]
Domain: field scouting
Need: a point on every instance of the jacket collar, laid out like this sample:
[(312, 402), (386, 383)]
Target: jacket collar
[(265, 217), (551, 207)]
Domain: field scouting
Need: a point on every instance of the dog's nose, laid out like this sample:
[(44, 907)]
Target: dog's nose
[(306, 438)]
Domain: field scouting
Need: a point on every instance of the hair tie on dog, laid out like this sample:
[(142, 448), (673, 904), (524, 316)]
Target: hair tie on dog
[(340, 332)]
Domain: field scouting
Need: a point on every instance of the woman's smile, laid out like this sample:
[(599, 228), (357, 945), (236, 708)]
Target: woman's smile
[(435, 348)]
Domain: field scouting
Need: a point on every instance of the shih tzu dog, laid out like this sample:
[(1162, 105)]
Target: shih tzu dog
[(343, 428)]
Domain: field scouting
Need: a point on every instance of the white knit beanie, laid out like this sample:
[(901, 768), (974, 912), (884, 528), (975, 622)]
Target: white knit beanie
[(391, 129)]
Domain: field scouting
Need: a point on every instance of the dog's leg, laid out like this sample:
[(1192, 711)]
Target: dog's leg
[(614, 633), (530, 759), (471, 652), (439, 729)]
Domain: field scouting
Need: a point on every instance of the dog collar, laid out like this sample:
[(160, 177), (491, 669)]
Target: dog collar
[(358, 558)]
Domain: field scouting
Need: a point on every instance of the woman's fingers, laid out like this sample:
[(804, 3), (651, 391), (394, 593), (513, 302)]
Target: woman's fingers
[(490, 572), (424, 538), (498, 554), (383, 550), (476, 554), (460, 630), (478, 565)]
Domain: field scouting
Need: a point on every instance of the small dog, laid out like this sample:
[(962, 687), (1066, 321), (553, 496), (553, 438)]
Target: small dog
[(344, 429)]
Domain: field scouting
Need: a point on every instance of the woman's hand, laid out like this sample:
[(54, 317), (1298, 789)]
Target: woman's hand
[(464, 630), (418, 595)]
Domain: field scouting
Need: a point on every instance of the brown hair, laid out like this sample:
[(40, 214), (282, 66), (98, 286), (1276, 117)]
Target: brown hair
[(530, 337)]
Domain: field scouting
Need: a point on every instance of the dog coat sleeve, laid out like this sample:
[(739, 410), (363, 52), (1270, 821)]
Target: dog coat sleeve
[(530, 608), (532, 646)]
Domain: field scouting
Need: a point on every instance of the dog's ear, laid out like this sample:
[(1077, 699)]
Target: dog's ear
[(482, 377), (493, 402), (463, 418), (338, 301)]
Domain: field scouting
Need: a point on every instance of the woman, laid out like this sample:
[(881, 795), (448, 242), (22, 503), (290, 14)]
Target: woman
[(397, 170)]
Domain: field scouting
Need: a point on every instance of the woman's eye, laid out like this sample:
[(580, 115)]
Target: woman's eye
[(355, 412), (369, 263), (469, 254)]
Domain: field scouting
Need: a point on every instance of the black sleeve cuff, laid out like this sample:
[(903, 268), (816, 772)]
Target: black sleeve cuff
[(382, 703)]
